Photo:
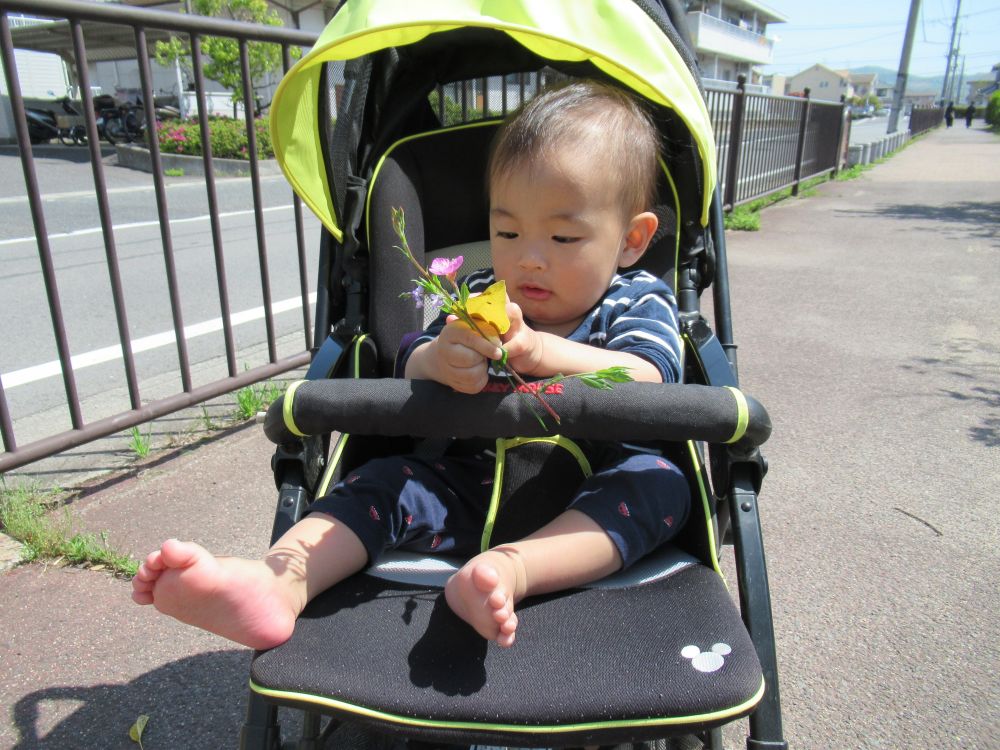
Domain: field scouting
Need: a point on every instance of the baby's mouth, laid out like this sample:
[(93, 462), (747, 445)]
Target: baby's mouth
[(537, 293)]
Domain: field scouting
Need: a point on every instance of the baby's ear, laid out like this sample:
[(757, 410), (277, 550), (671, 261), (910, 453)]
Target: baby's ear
[(640, 232)]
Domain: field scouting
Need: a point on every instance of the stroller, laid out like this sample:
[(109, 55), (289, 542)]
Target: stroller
[(389, 110)]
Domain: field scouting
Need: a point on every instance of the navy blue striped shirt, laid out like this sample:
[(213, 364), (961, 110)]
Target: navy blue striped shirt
[(637, 315)]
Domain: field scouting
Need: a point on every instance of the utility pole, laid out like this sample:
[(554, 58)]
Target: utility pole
[(951, 52), (904, 67), (961, 80)]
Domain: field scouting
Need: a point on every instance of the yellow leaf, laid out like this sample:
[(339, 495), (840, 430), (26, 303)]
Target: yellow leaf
[(135, 733), (491, 307)]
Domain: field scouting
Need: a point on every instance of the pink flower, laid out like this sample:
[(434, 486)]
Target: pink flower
[(445, 266)]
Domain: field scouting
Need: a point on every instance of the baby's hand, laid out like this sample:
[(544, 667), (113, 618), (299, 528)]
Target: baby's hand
[(523, 344), (462, 357)]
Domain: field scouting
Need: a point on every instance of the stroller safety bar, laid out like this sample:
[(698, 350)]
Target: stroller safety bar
[(422, 408)]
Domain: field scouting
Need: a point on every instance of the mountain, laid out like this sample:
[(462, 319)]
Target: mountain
[(917, 84)]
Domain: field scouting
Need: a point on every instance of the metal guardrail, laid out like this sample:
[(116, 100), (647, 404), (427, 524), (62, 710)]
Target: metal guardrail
[(196, 28), (769, 143), (925, 118), (765, 144)]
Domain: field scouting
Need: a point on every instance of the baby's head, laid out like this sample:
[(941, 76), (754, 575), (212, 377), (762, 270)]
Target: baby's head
[(597, 125), (572, 177)]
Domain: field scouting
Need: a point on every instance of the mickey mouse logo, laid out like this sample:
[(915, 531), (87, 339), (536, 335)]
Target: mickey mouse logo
[(707, 661)]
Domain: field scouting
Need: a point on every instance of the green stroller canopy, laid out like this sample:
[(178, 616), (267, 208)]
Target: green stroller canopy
[(616, 36)]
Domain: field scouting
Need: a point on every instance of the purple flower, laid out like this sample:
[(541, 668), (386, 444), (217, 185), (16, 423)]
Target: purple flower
[(421, 297), (445, 266)]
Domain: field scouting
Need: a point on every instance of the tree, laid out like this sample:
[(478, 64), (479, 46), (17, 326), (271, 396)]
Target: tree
[(223, 53), (993, 110)]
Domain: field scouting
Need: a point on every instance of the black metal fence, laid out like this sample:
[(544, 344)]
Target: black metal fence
[(765, 144), (769, 143), (925, 118), (139, 22)]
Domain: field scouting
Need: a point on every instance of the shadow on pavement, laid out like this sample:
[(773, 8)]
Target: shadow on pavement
[(196, 701), (982, 217), (58, 152)]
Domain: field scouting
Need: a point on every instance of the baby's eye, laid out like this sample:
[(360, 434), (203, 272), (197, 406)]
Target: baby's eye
[(563, 240), (507, 235)]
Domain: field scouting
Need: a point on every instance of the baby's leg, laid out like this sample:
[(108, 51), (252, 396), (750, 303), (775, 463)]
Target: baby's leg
[(571, 550), (253, 602)]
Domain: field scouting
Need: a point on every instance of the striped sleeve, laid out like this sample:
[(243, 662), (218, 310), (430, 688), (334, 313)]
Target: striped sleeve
[(643, 321)]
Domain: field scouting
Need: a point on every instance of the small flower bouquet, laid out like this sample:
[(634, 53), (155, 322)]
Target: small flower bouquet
[(485, 313)]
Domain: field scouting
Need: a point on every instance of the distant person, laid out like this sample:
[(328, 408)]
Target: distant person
[(970, 112), (949, 114)]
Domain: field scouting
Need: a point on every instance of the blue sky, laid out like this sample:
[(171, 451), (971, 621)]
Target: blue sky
[(853, 33)]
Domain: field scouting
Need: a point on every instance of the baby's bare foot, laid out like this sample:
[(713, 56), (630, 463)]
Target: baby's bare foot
[(484, 591), (242, 600)]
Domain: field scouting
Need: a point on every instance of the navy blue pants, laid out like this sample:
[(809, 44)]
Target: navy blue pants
[(440, 504)]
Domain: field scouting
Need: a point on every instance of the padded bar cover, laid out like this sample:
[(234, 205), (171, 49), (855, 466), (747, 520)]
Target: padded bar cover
[(422, 408)]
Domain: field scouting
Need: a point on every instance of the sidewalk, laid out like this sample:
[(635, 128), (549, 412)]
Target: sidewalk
[(867, 322)]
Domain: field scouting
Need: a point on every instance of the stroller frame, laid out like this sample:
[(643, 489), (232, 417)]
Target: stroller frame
[(739, 467)]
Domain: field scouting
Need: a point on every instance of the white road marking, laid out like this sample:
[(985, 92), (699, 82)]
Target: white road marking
[(157, 340), (140, 224)]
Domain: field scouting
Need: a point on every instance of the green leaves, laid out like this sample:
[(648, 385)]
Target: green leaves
[(136, 730)]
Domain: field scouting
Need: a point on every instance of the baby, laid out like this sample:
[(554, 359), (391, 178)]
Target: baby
[(571, 179)]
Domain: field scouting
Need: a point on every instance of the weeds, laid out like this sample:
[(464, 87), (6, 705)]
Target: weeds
[(255, 398), (140, 444), (173, 172), (27, 515)]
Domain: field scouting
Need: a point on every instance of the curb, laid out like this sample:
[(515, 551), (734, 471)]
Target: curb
[(137, 157), (10, 553)]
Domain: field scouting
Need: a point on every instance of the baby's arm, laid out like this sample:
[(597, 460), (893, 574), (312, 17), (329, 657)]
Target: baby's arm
[(543, 355)]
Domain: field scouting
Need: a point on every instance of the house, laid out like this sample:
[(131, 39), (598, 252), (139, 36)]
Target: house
[(823, 83), (729, 37), (980, 91), (864, 84)]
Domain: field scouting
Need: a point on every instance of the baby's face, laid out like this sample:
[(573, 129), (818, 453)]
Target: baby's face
[(557, 232)]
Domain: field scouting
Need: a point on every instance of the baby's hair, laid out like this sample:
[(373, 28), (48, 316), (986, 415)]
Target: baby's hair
[(597, 121)]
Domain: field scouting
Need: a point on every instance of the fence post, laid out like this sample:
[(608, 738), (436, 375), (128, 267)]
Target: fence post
[(843, 138), (801, 147), (735, 136)]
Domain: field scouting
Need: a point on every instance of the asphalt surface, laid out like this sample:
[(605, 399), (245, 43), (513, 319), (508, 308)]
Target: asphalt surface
[(867, 321)]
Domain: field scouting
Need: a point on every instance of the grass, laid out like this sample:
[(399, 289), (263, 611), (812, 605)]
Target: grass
[(30, 515), (173, 172), (255, 398), (746, 216), (139, 443)]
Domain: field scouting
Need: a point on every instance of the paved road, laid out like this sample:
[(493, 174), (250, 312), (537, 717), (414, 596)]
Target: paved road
[(28, 359), (867, 322)]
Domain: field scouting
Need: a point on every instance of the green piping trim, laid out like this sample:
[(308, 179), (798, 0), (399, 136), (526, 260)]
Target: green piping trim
[(400, 142), (357, 354), (699, 472), (286, 408), (562, 442), (677, 214), (503, 444), (491, 513), (338, 449), (742, 414), (519, 729)]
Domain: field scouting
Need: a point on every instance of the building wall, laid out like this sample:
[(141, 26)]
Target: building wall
[(823, 83)]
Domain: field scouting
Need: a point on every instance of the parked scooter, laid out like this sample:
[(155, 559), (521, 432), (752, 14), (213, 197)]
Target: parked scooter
[(43, 126)]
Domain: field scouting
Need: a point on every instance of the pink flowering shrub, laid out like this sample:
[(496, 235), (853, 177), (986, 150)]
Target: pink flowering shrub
[(228, 138)]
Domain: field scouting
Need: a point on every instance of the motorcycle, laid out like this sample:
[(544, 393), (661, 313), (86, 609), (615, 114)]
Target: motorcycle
[(43, 126)]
